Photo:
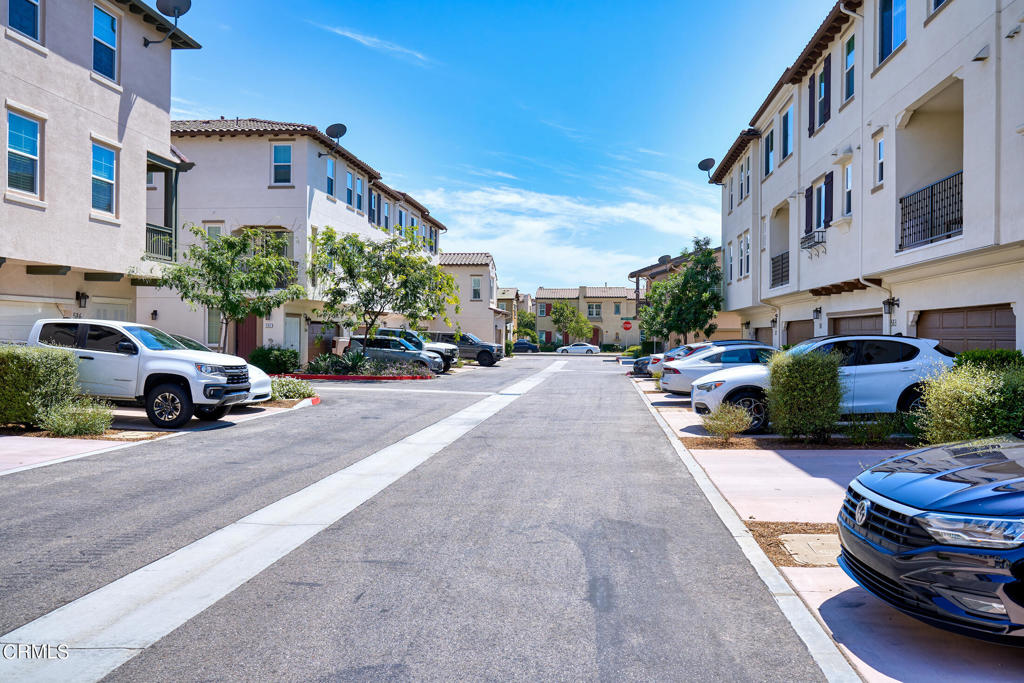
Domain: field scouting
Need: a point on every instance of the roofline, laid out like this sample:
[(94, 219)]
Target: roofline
[(734, 153), (386, 189), (179, 39), (408, 198)]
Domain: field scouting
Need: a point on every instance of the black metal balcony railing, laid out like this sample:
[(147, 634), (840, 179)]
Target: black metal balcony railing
[(780, 269), (285, 281), (159, 242), (812, 239), (932, 213)]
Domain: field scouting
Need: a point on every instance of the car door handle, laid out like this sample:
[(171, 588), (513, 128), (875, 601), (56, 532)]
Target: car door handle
[(85, 358), (908, 368)]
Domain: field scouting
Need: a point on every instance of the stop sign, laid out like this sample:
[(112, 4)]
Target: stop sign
[(627, 325)]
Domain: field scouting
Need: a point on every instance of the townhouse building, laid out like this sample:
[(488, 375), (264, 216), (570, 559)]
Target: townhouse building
[(728, 323), (86, 121), (508, 301), (476, 277), (525, 302), (876, 188), (291, 179), (611, 312)]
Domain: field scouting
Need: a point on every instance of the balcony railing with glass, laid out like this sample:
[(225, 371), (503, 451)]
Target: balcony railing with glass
[(159, 242), (933, 213), (780, 270)]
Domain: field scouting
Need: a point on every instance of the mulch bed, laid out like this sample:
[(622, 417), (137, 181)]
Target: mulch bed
[(767, 536), (109, 435), (748, 443), (280, 403)]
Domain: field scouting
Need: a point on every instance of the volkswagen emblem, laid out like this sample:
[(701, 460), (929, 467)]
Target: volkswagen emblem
[(862, 511)]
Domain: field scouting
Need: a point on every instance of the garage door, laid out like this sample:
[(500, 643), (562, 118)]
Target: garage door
[(799, 330), (977, 327), (763, 334), (17, 318), (857, 324)]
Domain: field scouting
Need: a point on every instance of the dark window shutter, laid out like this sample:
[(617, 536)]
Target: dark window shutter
[(811, 103), (828, 200), (547, 309), (809, 203), (828, 89)]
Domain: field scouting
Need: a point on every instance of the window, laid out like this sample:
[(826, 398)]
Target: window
[(878, 352), (618, 308), (104, 162), (359, 194), (746, 252), (541, 310), (848, 70), (879, 160), (103, 339), (787, 132), (729, 254), (475, 284), (936, 4), (387, 215), (59, 334), (150, 179), (847, 189), (736, 356), (24, 17), (730, 192), (819, 206), (348, 188), (212, 231), (748, 175), (846, 348), (104, 43), (593, 310), (822, 91), (212, 326), (501, 305), (892, 26), (330, 176), (413, 224), (741, 180), (739, 261), (22, 154), (769, 152), (282, 162), (401, 222), (374, 203)]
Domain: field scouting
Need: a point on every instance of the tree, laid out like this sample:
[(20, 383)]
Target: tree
[(526, 333), (237, 275), (688, 300), (568, 320), (527, 320), (360, 280)]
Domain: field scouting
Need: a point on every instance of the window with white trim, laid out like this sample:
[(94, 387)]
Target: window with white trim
[(819, 206), (281, 162), (104, 172), (212, 326), (387, 215), (787, 132), (104, 43), (892, 26), (359, 194), (739, 259), (593, 310), (769, 152), (746, 252), (475, 281), (730, 192), (401, 222), (729, 258), (848, 73), (348, 188), (748, 175), (23, 17), (330, 176), (542, 310), (879, 160), (618, 308), (742, 194), (822, 82), (22, 153), (847, 189)]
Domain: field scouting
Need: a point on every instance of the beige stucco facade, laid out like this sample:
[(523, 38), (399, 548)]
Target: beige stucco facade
[(508, 301), (609, 310), (937, 123), (59, 256), (476, 278)]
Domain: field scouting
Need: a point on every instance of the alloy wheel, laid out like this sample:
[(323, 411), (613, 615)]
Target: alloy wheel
[(755, 408), (167, 407)]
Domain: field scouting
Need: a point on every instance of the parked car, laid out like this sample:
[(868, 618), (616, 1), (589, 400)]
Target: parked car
[(937, 533), (129, 362), (398, 351), (640, 367), (449, 352), (259, 381), (471, 347), (881, 374), (579, 347), (525, 346), (679, 375)]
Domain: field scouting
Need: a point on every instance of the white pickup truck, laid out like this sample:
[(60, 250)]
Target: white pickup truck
[(141, 364)]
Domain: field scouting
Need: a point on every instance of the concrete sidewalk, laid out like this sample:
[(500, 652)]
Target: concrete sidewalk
[(23, 451)]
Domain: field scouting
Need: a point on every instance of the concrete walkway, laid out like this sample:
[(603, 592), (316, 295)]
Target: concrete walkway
[(22, 451)]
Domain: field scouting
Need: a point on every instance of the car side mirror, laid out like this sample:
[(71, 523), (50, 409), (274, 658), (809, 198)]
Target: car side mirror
[(127, 347)]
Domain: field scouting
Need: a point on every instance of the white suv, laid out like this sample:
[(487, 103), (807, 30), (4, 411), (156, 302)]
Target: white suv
[(880, 374), (137, 363)]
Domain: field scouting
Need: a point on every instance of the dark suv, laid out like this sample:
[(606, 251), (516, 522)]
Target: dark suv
[(471, 347)]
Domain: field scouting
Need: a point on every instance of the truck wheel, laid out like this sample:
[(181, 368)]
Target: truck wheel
[(447, 364), (485, 358), (168, 406), (211, 413)]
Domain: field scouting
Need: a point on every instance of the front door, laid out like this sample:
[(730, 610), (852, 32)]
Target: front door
[(102, 369), (245, 336), (292, 331), (595, 336)]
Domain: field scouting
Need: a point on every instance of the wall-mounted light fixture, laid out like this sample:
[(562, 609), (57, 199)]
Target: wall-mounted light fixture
[(889, 304), (154, 315), (816, 313), (775, 322), (82, 298), (746, 324)]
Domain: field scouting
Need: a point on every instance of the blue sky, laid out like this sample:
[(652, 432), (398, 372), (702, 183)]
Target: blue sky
[(561, 137)]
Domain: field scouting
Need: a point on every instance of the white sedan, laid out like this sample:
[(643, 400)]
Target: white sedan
[(679, 375), (579, 347)]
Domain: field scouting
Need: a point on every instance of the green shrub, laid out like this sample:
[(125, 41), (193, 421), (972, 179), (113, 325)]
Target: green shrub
[(872, 429), (274, 359), (969, 402), (547, 347), (325, 364), (290, 387), (77, 417), (992, 359), (381, 368), (727, 420), (632, 351), (612, 348), (525, 333), (804, 394), (508, 347), (353, 363), (33, 380)]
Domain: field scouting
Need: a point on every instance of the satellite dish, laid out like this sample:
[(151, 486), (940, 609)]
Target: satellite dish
[(706, 165), (664, 259), (173, 8), (336, 130)]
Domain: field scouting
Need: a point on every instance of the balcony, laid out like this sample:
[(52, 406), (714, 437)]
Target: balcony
[(810, 240), (159, 242), (283, 282), (780, 270), (933, 213)]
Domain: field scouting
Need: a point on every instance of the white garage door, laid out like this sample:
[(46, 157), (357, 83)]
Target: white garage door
[(17, 318)]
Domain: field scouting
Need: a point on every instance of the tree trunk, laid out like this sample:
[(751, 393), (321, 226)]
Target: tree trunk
[(222, 338)]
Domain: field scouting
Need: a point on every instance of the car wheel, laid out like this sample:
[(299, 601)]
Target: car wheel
[(447, 365), (168, 406), (756, 405), (563, 351), (589, 352), (485, 358), (211, 413), (911, 401)]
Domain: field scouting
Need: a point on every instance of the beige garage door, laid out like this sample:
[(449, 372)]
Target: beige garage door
[(857, 324), (977, 327), (799, 330), (763, 334)]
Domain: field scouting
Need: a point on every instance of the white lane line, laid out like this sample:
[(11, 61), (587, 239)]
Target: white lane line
[(823, 650), (109, 626), (321, 387)]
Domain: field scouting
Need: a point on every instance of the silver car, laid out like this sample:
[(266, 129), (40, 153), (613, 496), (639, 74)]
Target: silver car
[(398, 351)]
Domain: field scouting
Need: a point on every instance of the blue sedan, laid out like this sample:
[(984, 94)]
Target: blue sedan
[(525, 346)]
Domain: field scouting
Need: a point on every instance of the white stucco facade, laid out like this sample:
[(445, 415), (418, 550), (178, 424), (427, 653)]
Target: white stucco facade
[(476, 278)]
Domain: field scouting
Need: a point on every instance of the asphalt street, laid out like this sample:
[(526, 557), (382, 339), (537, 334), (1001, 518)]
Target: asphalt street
[(559, 539)]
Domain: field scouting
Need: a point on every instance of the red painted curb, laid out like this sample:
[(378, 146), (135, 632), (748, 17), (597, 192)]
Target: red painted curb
[(315, 400), (342, 378)]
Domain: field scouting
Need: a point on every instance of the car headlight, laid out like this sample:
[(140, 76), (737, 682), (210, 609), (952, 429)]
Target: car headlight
[(976, 532), (207, 369), (708, 386)]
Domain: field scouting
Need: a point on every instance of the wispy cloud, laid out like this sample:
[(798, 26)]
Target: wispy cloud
[(652, 152), (487, 172), (568, 131), (379, 44)]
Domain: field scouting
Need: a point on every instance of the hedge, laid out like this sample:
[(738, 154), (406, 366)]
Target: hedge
[(971, 401), (274, 360), (804, 394), (32, 380), (992, 359)]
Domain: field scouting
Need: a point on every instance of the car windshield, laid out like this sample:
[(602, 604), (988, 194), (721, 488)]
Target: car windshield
[(406, 344), (190, 343), (469, 337), (154, 339), (804, 346), (412, 339)]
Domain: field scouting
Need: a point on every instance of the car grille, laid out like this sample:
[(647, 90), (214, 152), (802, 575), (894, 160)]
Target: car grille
[(884, 527), (237, 374)]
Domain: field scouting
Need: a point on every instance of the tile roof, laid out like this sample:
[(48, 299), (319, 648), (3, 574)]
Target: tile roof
[(508, 292), (589, 292), (462, 258)]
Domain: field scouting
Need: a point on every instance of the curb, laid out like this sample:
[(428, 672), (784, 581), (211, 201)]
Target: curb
[(822, 648), (350, 378), (306, 403)]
